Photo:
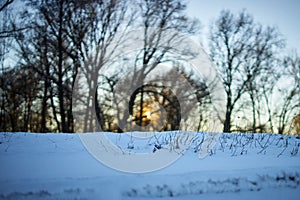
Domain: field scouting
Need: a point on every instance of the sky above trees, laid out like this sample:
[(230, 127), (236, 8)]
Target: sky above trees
[(283, 14)]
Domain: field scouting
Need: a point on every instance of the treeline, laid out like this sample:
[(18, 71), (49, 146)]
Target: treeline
[(66, 66)]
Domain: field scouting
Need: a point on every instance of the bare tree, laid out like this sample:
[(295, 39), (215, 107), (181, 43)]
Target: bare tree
[(20, 89), (108, 18), (157, 19), (154, 19), (5, 46), (52, 47), (267, 44), (5, 4), (239, 47), (289, 94), (268, 85)]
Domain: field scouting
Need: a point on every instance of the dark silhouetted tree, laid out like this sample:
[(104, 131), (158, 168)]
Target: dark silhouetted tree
[(240, 49)]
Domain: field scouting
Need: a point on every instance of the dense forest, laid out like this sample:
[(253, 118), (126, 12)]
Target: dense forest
[(112, 65)]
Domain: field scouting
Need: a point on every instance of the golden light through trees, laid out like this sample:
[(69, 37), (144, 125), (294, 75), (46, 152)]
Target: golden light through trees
[(148, 115), (153, 115)]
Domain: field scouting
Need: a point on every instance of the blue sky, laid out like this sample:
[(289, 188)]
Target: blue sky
[(285, 14)]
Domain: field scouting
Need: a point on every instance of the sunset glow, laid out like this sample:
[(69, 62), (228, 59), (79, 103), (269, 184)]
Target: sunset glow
[(148, 114)]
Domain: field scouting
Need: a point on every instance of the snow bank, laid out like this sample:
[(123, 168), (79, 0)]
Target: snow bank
[(58, 166)]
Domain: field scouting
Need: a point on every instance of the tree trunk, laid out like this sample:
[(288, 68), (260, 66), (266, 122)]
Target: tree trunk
[(54, 110), (64, 127), (227, 122), (141, 106), (253, 113), (44, 107)]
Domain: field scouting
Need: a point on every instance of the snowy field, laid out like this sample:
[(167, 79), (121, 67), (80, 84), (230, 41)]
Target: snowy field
[(239, 166)]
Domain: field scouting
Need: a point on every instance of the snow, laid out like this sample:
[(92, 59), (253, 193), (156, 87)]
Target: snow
[(239, 166)]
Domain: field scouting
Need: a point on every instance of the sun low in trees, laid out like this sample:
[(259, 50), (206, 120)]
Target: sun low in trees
[(160, 106), (167, 105)]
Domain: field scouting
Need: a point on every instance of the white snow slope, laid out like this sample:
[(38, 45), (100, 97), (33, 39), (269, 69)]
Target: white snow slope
[(240, 166)]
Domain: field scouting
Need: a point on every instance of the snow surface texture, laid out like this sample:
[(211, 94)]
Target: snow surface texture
[(239, 166)]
